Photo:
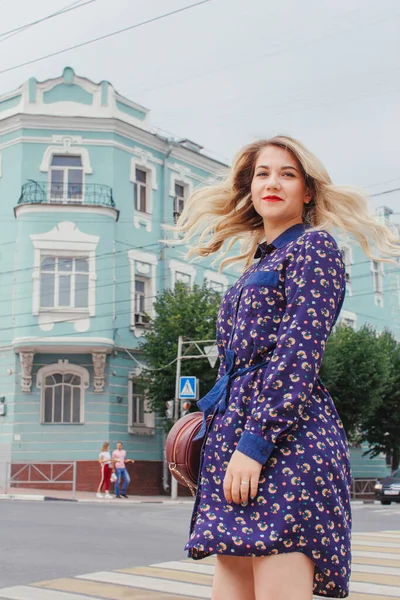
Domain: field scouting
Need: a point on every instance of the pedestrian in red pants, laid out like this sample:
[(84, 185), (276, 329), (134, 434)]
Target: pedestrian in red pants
[(106, 471)]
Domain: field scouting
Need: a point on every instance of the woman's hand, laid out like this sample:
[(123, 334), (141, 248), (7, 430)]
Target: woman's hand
[(241, 478)]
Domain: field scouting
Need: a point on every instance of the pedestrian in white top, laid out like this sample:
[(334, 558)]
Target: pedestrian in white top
[(106, 466)]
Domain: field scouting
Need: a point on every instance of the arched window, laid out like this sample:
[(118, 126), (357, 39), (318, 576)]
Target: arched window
[(62, 388)]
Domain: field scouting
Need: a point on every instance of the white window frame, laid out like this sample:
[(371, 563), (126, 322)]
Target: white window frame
[(137, 187), (56, 304), (398, 290), (143, 163), (181, 176), (148, 426), (377, 282), (141, 318), (348, 317), (347, 254), (62, 366), (214, 277), (65, 169), (66, 147), (176, 266), (144, 266), (64, 240)]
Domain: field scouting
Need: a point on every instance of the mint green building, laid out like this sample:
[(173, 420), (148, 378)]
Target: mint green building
[(85, 188)]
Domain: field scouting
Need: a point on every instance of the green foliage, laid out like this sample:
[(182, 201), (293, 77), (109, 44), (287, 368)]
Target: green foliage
[(192, 314), (354, 370), (381, 427)]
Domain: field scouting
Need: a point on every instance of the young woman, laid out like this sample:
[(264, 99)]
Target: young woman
[(106, 471), (273, 501)]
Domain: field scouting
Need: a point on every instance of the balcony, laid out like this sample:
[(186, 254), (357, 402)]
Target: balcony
[(88, 194)]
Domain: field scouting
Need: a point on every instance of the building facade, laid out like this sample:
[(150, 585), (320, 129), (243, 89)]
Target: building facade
[(85, 189)]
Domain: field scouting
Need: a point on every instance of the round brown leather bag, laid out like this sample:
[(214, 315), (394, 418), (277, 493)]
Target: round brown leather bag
[(182, 452)]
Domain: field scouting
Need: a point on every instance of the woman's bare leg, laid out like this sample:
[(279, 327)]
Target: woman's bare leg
[(233, 579), (283, 577)]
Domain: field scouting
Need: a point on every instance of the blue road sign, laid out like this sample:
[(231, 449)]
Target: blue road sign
[(187, 388)]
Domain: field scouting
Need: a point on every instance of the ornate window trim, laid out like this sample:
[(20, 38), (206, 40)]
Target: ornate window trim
[(347, 251), (215, 277), (62, 366), (65, 239), (378, 277), (181, 267), (144, 265), (142, 161), (66, 145), (348, 317), (148, 427)]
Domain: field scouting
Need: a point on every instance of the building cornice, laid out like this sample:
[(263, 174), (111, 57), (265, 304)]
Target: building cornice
[(108, 125)]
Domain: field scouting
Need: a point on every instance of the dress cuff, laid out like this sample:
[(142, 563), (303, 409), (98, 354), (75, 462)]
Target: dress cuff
[(254, 446)]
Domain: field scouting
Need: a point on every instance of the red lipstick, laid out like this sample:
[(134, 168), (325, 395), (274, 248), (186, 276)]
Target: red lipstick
[(272, 199)]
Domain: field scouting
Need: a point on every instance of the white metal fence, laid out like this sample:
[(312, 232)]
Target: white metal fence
[(39, 474)]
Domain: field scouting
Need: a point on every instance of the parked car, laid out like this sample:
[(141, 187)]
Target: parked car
[(388, 490)]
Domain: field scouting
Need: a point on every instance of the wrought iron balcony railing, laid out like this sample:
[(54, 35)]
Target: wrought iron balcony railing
[(36, 192)]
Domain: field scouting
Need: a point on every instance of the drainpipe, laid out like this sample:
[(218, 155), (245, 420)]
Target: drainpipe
[(163, 271)]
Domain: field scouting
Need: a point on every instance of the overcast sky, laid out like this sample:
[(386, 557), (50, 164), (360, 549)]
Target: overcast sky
[(230, 71)]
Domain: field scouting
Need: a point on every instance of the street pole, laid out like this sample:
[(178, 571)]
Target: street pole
[(174, 483)]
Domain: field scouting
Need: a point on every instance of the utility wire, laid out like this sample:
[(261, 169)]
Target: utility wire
[(106, 36), (70, 7)]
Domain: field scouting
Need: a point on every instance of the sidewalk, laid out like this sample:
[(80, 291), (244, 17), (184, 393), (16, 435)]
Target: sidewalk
[(66, 496)]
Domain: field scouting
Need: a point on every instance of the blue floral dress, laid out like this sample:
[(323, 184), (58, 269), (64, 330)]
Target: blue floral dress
[(270, 404)]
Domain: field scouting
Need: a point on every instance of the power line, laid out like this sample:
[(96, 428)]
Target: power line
[(106, 36), (70, 7), (385, 192)]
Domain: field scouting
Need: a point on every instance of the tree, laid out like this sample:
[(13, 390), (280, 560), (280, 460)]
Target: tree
[(192, 314), (381, 427), (354, 370)]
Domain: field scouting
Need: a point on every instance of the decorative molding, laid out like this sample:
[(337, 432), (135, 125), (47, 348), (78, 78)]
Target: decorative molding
[(214, 276), (348, 317), (26, 359), (63, 366), (142, 161), (148, 427), (180, 174), (106, 125), (99, 363), (93, 209), (56, 344), (144, 259), (65, 239), (66, 147), (181, 267)]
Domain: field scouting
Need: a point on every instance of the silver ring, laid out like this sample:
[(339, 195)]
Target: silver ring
[(245, 483)]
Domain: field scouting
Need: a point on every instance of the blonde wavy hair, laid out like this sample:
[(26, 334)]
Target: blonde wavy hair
[(217, 216)]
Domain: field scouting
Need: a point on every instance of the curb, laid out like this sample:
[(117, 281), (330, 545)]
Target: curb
[(39, 498)]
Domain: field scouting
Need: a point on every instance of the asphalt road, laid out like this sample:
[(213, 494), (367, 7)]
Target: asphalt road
[(46, 540)]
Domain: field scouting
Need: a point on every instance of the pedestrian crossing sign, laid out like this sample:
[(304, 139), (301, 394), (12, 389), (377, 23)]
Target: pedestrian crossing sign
[(188, 388)]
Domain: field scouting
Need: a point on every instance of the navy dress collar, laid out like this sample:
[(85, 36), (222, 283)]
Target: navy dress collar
[(282, 240)]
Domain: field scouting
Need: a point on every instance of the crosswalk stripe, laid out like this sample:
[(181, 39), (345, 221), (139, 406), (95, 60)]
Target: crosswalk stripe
[(366, 545), (192, 567), (375, 589), (193, 577), (384, 536), (377, 578), (147, 583), (384, 562), (24, 592), (375, 569), (376, 544), (105, 590), (363, 553)]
